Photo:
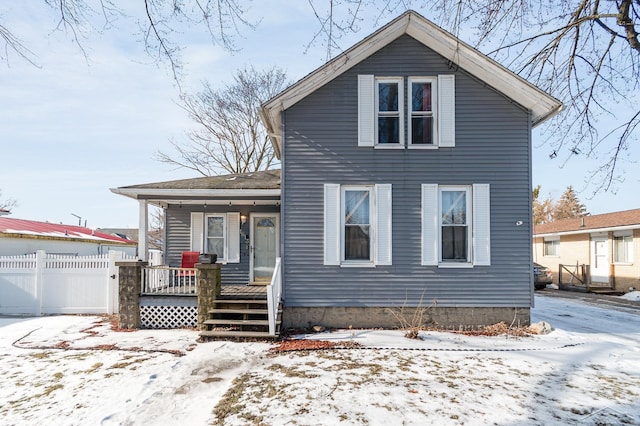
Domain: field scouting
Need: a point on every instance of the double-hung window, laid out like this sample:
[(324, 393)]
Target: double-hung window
[(428, 114), (389, 107), (422, 109), (623, 247), (455, 230), (551, 246), (356, 207), (215, 235), (357, 225), (456, 225)]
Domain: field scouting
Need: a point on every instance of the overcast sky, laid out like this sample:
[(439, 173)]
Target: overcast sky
[(73, 127)]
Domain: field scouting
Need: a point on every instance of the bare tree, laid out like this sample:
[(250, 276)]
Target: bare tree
[(7, 203), (229, 135), (156, 228), (542, 209)]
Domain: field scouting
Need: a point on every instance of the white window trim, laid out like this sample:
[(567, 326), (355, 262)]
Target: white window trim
[(623, 234), (479, 220), (546, 239), (434, 111), (469, 218), (224, 234), (401, 112), (372, 231)]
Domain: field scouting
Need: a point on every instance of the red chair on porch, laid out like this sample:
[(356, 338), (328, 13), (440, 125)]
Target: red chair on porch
[(187, 273), (189, 259)]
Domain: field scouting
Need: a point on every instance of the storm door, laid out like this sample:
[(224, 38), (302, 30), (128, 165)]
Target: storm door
[(265, 246)]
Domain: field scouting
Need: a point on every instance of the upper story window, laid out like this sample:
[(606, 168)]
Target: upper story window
[(623, 247), (429, 111), (551, 246), (389, 106), (422, 107)]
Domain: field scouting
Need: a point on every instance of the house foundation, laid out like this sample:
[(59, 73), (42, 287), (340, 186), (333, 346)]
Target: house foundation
[(393, 317)]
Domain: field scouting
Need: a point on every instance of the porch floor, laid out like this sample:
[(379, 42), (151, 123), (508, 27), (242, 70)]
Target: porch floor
[(247, 292)]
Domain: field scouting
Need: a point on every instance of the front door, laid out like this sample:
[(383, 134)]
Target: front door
[(599, 260), (265, 246)]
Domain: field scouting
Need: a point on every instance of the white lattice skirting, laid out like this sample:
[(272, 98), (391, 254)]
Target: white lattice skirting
[(168, 316)]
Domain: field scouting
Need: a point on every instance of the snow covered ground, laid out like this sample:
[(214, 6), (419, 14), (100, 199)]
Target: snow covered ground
[(75, 370)]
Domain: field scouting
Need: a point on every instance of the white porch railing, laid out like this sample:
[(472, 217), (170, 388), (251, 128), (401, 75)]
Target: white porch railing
[(166, 280), (274, 294)]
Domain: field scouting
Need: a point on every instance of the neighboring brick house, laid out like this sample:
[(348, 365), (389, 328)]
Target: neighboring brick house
[(609, 243)]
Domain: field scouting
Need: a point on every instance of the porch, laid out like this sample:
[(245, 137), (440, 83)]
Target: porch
[(165, 297)]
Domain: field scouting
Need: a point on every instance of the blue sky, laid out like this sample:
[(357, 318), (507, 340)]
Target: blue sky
[(73, 127)]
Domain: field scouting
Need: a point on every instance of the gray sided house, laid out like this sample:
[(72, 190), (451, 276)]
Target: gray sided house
[(405, 184)]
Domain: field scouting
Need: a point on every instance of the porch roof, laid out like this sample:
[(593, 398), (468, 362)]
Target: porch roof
[(263, 185)]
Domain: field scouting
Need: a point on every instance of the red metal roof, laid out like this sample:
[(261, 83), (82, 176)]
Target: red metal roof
[(45, 229), (599, 221)]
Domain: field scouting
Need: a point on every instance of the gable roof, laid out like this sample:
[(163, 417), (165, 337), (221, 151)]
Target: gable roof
[(541, 104), (263, 183), (628, 219), (30, 228)]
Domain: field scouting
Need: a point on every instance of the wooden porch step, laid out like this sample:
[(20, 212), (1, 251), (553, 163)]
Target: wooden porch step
[(243, 301), (238, 322), (239, 311), (237, 334)]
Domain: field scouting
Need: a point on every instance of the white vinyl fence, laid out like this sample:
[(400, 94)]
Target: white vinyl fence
[(41, 283)]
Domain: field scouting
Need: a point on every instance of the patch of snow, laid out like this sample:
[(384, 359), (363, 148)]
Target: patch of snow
[(632, 295), (70, 370)]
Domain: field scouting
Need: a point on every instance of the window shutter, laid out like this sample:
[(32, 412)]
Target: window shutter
[(429, 224), (481, 225), (383, 224), (332, 224), (197, 231), (446, 110), (233, 237), (366, 110)]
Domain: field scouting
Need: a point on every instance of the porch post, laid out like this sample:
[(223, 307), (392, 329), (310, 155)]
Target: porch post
[(143, 230)]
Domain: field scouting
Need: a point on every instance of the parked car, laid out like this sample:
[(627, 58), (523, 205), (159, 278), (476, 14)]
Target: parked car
[(542, 276)]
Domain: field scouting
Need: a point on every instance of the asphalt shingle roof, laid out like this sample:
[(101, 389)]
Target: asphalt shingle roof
[(606, 220), (269, 179)]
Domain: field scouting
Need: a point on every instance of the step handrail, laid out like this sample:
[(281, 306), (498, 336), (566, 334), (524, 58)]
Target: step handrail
[(274, 294)]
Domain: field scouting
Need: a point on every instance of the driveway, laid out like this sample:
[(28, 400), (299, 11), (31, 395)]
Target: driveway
[(601, 300)]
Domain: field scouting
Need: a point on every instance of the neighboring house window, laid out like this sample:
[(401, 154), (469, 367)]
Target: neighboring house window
[(422, 110), (456, 225), (389, 106), (623, 248), (551, 246), (357, 221), (430, 111), (217, 233)]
